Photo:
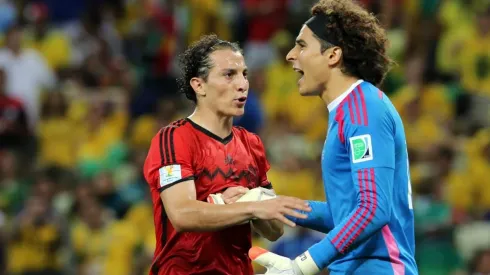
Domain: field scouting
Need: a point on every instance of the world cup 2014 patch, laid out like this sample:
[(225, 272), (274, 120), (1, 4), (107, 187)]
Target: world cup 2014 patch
[(361, 148), (170, 174)]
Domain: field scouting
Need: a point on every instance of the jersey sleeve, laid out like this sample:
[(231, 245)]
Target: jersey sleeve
[(169, 159), (260, 156), (371, 148), (371, 145)]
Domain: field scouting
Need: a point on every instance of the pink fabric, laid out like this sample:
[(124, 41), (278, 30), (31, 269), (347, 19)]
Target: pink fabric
[(393, 251)]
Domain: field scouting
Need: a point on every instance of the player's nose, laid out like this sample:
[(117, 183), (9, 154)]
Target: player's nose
[(242, 85), (291, 56)]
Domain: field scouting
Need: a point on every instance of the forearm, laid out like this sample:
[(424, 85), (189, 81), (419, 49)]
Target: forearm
[(271, 230), (319, 219), (372, 213), (196, 215)]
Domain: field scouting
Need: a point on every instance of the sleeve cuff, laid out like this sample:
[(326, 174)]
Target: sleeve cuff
[(161, 189), (323, 252)]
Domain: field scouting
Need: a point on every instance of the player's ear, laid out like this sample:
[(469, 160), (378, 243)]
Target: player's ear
[(334, 55), (197, 84)]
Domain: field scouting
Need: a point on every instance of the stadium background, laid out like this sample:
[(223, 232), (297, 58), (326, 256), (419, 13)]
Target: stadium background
[(93, 81)]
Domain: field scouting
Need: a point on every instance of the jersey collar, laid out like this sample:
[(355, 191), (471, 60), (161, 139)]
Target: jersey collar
[(205, 131), (340, 98)]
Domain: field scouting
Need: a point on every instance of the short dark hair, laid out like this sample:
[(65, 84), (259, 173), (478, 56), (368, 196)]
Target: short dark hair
[(196, 61), (362, 40)]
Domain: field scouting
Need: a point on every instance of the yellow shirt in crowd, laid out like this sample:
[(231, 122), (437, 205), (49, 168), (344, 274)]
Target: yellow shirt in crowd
[(307, 114), (33, 250), (109, 250), (58, 140), (475, 68)]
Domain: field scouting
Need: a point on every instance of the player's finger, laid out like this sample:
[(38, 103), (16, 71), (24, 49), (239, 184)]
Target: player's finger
[(233, 199), (295, 201), (285, 220), (296, 214), (234, 191), (297, 206)]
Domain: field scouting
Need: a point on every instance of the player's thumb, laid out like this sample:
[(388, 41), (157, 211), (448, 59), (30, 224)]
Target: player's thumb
[(261, 256)]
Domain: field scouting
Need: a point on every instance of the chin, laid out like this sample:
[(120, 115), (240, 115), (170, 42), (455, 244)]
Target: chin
[(305, 91), (236, 112), (240, 112)]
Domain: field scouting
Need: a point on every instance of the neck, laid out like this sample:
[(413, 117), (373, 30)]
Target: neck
[(213, 122), (336, 86)]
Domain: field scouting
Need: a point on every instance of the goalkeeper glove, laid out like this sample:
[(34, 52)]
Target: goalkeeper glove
[(279, 265), (256, 194)]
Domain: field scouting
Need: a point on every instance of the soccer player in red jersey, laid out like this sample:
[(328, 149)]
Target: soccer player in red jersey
[(193, 158)]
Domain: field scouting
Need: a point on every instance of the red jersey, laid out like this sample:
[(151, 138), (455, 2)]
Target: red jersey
[(13, 123), (186, 151)]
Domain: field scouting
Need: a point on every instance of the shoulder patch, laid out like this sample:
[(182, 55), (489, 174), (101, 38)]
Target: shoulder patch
[(361, 148), (169, 174)]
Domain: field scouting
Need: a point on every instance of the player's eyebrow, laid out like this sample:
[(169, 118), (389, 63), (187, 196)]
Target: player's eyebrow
[(234, 71), (300, 42), (229, 70)]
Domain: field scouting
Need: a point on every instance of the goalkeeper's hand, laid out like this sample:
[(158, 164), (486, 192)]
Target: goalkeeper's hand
[(256, 194), (279, 265)]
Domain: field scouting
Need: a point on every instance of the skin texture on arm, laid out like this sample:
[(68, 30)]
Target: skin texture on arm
[(271, 230), (188, 214)]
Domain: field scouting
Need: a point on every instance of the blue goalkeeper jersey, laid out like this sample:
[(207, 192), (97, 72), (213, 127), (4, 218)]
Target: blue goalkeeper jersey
[(365, 169)]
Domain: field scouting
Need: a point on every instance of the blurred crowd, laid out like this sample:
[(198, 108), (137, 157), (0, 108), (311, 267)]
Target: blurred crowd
[(85, 84)]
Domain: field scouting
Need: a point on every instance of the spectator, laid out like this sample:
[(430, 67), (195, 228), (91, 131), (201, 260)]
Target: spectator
[(13, 121), (309, 115), (105, 191), (51, 42), (36, 240), (475, 68), (13, 186), (259, 52), (56, 134), (17, 63), (102, 245), (101, 144)]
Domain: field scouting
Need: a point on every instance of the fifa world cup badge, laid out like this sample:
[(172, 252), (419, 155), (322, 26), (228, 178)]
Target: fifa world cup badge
[(361, 148)]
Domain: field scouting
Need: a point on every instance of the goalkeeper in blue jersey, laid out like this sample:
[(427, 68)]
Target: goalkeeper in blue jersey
[(368, 218)]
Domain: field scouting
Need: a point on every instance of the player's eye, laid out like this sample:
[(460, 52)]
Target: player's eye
[(229, 75), (245, 74)]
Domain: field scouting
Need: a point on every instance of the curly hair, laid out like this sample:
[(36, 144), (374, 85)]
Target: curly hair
[(362, 40), (196, 61)]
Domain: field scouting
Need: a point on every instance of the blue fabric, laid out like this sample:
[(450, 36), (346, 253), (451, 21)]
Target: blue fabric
[(253, 119), (293, 246), (319, 219), (367, 185)]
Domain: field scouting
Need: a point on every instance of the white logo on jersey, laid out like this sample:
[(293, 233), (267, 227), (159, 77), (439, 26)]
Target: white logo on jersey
[(170, 174)]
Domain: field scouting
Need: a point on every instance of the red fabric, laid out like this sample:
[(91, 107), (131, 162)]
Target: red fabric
[(13, 120), (263, 27), (214, 165)]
